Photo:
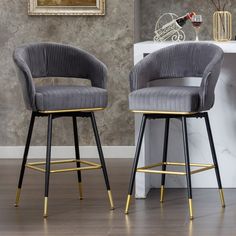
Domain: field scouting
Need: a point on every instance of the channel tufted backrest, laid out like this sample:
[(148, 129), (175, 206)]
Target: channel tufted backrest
[(55, 60)]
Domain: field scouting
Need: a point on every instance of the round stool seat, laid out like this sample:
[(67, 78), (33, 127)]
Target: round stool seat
[(162, 98), (63, 97)]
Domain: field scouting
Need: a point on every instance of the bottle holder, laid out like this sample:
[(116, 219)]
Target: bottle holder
[(172, 32)]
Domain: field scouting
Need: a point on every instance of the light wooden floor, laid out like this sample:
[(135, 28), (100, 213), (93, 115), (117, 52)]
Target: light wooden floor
[(91, 216)]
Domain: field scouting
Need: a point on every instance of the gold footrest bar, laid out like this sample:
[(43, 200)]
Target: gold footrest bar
[(91, 166), (202, 169), (160, 172), (35, 168), (146, 169), (191, 164), (63, 162)]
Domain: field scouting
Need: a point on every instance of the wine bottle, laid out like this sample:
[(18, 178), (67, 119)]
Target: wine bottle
[(172, 27), (181, 21)]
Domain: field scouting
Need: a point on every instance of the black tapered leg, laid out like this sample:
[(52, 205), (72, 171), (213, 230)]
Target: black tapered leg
[(26, 151), (77, 154), (187, 165), (213, 152), (135, 163), (164, 159), (48, 162), (101, 156), (100, 152)]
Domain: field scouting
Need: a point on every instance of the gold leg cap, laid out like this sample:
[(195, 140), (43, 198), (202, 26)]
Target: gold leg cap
[(45, 212), (80, 191), (222, 198), (17, 197), (190, 209), (111, 199), (162, 194), (127, 204)]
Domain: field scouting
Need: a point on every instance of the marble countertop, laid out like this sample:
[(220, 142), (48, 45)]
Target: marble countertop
[(227, 47)]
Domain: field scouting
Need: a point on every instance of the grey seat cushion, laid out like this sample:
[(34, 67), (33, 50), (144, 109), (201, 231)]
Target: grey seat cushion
[(50, 98), (163, 98)]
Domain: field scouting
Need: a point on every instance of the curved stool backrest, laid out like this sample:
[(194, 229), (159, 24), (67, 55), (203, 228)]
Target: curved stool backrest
[(55, 60), (181, 60)]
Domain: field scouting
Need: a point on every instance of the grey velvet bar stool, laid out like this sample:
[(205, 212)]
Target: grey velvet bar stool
[(56, 60), (175, 102)]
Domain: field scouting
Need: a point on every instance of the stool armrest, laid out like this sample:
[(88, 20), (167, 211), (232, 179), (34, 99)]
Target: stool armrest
[(210, 77), (26, 81)]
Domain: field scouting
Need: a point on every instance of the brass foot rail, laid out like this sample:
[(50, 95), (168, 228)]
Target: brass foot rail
[(90, 166), (146, 169)]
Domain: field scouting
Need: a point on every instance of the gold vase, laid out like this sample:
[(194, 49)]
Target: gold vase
[(222, 26)]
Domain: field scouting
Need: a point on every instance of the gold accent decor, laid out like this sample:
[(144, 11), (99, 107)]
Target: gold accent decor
[(222, 198), (222, 26), (162, 194), (80, 191), (45, 212), (163, 112), (91, 166), (146, 169), (44, 7), (17, 197), (111, 200), (190, 208), (73, 110), (127, 204)]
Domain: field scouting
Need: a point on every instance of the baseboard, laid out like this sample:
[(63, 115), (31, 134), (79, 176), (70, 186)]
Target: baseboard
[(10, 152)]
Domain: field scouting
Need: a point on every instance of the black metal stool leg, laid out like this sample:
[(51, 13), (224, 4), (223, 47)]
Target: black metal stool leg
[(48, 162), (165, 148), (77, 155), (101, 156), (135, 163), (210, 137), (27, 145), (187, 165)]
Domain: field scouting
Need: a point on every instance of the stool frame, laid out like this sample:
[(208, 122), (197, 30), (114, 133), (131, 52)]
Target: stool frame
[(51, 115), (188, 172)]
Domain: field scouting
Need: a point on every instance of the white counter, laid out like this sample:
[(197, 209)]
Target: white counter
[(223, 122)]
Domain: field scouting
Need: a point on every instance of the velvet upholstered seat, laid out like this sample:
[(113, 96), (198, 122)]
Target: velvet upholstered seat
[(50, 98), (162, 98), (178, 61)]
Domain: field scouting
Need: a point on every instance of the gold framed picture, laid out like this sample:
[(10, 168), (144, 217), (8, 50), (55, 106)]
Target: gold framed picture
[(66, 7)]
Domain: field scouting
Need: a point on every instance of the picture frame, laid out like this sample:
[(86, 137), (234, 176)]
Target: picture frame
[(66, 7)]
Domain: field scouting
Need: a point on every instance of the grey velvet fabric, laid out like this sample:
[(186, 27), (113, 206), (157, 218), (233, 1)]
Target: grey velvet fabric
[(50, 98), (176, 99), (55, 60), (178, 61)]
